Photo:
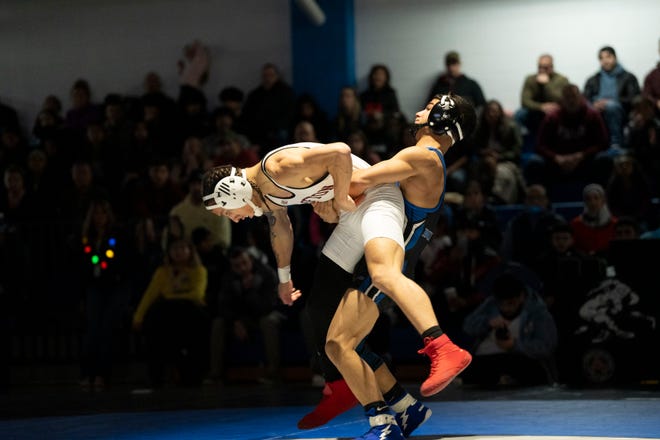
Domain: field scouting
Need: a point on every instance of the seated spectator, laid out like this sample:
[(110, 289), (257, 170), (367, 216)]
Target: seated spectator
[(360, 147), (455, 81), (527, 234), (117, 125), (651, 89), (225, 145), (304, 132), (628, 191), (643, 140), (626, 228), (247, 307), (437, 248), (497, 144), (152, 86), (457, 161), (308, 109), (16, 204), (193, 118), (40, 180), (82, 112), (232, 98), (172, 317), (566, 275), (381, 111), (154, 197), (193, 158), (158, 124), (224, 122), (52, 104), (13, 148), (458, 272), (611, 92), (60, 156), (173, 231), (214, 259), (540, 96), (476, 210), (150, 200), (268, 111), (515, 337), (349, 114), (193, 215), (48, 124), (15, 210), (594, 228), (74, 199), (568, 143)]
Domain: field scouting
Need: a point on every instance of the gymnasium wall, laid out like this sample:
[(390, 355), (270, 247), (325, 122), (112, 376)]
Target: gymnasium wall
[(47, 44)]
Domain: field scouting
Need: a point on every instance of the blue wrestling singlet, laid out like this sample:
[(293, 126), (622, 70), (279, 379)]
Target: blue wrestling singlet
[(420, 224)]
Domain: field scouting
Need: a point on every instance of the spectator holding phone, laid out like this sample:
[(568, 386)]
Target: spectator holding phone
[(515, 336)]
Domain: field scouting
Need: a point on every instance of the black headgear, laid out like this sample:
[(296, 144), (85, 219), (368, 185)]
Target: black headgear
[(443, 119)]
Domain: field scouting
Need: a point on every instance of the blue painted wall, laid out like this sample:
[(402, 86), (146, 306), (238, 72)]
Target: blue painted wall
[(323, 57)]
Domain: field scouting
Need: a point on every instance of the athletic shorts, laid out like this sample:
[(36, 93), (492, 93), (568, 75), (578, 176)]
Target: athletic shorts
[(380, 215)]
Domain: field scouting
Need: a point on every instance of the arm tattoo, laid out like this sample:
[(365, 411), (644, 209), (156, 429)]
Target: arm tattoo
[(271, 222)]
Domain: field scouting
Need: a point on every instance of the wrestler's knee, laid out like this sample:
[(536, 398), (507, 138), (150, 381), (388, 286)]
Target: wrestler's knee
[(383, 277), (333, 349)]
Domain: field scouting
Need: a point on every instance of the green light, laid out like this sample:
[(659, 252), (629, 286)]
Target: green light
[(95, 259)]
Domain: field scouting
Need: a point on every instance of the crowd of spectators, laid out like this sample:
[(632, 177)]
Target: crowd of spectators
[(102, 226)]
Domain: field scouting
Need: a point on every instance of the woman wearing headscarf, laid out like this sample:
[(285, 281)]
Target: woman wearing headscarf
[(594, 228)]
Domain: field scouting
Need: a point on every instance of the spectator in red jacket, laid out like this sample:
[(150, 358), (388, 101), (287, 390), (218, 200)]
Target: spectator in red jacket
[(568, 143), (594, 228)]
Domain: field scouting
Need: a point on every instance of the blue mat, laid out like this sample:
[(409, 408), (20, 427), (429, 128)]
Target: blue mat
[(605, 418)]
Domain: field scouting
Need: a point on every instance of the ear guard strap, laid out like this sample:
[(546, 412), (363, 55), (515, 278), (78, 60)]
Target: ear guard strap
[(232, 192)]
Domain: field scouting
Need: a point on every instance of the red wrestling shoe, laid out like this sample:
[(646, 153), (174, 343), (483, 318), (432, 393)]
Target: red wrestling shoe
[(337, 398), (447, 362)]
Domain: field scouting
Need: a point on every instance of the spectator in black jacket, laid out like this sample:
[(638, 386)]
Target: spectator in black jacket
[(247, 304), (611, 92), (268, 111), (453, 80), (527, 235), (382, 117)]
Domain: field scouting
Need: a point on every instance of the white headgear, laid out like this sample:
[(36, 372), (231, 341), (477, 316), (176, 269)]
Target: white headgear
[(232, 192)]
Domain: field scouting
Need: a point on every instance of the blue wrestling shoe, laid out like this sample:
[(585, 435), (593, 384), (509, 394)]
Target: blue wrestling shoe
[(412, 417), (383, 427)]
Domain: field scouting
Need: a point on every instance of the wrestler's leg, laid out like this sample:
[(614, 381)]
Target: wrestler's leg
[(330, 283), (352, 322), (384, 378), (409, 413), (333, 277), (354, 319), (385, 261)]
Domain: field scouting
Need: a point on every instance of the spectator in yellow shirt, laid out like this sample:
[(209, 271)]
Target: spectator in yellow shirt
[(172, 315)]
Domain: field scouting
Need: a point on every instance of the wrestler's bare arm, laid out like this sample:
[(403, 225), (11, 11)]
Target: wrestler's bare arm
[(281, 236), (303, 166), (407, 163), (281, 240), (326, 211)]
